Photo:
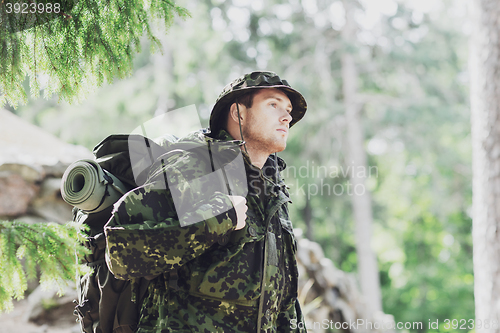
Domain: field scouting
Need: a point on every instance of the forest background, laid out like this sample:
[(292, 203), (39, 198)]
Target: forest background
[(411, 59)]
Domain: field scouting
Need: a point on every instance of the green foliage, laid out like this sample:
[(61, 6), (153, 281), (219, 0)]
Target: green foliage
[(80, 50), (26, 249)]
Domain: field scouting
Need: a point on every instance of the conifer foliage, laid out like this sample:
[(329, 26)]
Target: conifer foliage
[(26, 249), (86, 44)]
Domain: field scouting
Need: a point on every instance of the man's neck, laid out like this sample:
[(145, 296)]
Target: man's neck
[(257, 157)]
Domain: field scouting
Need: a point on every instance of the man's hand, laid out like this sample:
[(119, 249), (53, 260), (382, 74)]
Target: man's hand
[(240, 205)]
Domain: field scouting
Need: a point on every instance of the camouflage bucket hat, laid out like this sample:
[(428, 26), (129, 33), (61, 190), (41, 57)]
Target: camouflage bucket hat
[(256, 80)]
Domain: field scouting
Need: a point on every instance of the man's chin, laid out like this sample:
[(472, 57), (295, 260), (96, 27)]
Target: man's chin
[(280, 148)]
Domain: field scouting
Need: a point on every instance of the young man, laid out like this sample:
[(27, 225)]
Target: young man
[(235, 270)]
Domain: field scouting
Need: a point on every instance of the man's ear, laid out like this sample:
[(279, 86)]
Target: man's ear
[(233, 113)]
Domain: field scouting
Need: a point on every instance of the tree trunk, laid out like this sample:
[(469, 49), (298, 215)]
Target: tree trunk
[(485, 119), (307, 216), (357, 162)]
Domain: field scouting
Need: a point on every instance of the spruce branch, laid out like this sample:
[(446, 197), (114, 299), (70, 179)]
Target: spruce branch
[(79, 48), (50, 247)]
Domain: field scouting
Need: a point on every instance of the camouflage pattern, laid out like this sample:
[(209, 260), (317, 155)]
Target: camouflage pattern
[(256, 80), (209, 277)]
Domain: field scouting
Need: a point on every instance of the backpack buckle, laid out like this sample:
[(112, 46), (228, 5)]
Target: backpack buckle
[(81, 309)]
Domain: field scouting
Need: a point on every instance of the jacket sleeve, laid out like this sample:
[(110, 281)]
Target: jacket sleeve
[(144, 236), (292, 320)]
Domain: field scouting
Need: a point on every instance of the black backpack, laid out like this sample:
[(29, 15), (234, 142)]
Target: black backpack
[(106, 304)]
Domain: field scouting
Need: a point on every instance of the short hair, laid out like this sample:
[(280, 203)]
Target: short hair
[(246, 99)]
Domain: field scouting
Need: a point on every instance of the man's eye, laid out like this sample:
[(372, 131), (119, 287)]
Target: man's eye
[(274, 105)]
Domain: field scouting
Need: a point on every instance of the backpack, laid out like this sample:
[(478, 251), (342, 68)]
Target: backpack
[(106, 304)]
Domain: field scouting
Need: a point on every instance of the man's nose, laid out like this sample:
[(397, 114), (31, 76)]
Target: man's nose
[(287, 117)]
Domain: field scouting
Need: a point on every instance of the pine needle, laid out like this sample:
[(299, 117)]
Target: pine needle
[(81, 49), (49, 247)]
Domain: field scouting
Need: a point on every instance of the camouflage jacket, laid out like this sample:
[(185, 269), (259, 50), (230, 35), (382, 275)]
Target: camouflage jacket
[(207, 276)]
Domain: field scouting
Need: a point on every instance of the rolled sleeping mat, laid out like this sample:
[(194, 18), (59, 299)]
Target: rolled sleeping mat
[(89, 187)]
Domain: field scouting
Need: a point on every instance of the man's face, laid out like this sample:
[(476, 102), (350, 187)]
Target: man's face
[(266, 126)]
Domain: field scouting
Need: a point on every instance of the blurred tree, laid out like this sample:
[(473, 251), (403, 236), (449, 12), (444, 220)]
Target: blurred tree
[(356, 154), (69, 47), (485, 102), (416, 121)]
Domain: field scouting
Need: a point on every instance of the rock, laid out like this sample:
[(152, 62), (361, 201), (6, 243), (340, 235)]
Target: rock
[(15, 194), (30, 156), (303, 252), (341, 300), (316, 322), (329, 272), (309, 252), (25, 143), (30, 173), (49, 204), (347, 311), (31, 219), (42, 300), (316, 252), (331, 297), (55, 170)]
